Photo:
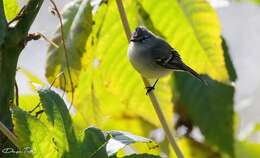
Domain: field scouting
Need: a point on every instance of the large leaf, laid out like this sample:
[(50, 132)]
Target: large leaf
[(192, 27), (77, 17), (103, 144), (121, 139), (229, 64), (94, 144), (256, 1), (34, 137), (246, 149), (110, 90), (209, 107), (199, 43), (145, 19), (60, 121), (58, 131), (11, 8), (28, 102)]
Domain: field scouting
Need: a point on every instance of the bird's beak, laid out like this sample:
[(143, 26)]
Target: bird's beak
[(135, 39), (132, 39)]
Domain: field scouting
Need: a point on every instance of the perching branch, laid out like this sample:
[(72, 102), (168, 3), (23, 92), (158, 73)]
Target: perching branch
[(153, 98)]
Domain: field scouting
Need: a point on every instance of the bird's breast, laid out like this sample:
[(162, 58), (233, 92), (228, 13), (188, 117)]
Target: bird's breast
[(142, 60)]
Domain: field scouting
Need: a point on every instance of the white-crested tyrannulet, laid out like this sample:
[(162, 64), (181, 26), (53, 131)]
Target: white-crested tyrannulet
[(153, 57)]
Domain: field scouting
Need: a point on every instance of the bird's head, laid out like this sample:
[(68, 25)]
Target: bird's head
[(140, 34)]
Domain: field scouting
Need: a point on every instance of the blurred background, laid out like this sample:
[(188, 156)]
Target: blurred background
[(240, 27)]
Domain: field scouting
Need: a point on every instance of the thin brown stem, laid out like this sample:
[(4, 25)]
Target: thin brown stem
[(65, 50), (49, 41), (152, 97)]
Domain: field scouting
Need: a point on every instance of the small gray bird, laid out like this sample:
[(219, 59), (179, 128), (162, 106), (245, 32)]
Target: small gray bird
[(153, 57)]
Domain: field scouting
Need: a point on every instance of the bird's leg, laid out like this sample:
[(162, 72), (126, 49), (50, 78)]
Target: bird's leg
[(149, 89)]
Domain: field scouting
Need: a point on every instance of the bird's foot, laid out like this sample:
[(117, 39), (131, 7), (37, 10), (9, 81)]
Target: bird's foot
[(149, 89)]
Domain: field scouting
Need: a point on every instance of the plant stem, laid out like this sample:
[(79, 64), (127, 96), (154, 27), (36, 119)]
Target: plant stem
[(8, 134), (12, 42), (152, 97), (7, 79)]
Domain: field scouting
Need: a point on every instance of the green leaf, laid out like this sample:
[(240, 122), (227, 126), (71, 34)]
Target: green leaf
[(28, 102), (11, 8), (257, 128), (229, 64), (94, 144), (246, 149), (209, 107), (144, 19), (121, 139), (77, 21), (33, 134), (3, 25), (60, 122), (256, 1), (110, 90), (192, 28), (141, 156)]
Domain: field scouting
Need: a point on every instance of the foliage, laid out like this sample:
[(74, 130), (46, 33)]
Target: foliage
[(11, 8), (256, 1), (202, 49), (13, 38), (229, 65), (109, 92), (56, 137), (247, 149), (186, 15), (77, 22), (201, 105), (101, 80)]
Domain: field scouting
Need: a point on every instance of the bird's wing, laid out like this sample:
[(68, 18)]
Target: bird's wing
[(172, 60)]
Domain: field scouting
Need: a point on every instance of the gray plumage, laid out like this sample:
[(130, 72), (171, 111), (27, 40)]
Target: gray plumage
[(153, 57)]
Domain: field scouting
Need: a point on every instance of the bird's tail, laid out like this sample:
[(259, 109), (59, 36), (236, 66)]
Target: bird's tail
[(191, 71)]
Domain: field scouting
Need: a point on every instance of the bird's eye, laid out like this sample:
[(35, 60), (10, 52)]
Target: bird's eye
[(146, 37), (138, 31)]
